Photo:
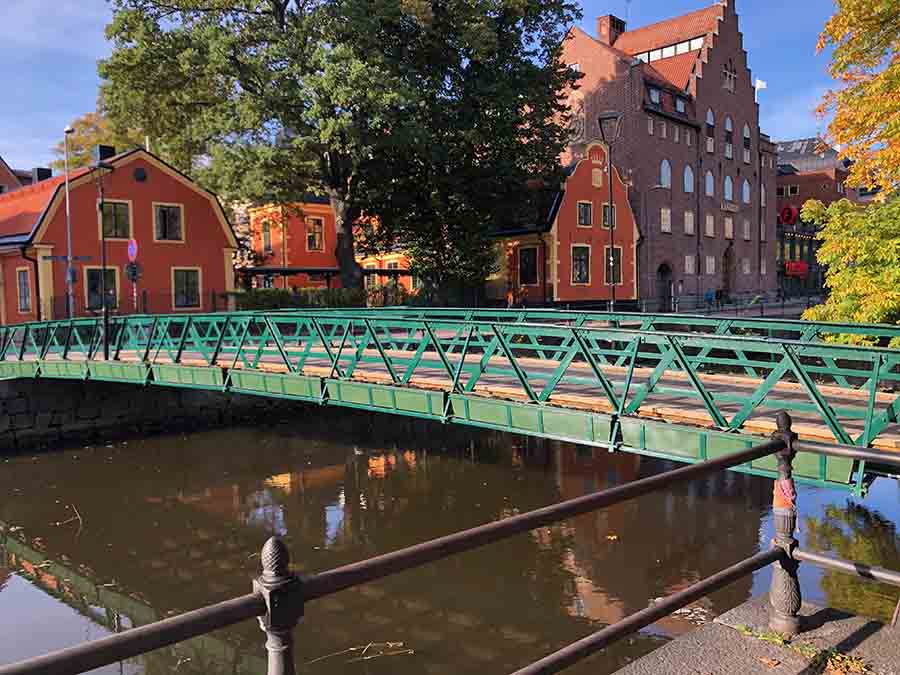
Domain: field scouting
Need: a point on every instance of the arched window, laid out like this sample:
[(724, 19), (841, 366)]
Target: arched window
[(729, 189), (729, 137), (665, 174), (745, 191), (710, 122), (729, 76), (710, 185), (746, 144), (688, 179)]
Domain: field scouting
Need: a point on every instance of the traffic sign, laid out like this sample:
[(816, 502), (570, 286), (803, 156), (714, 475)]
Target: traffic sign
[(132, 250)]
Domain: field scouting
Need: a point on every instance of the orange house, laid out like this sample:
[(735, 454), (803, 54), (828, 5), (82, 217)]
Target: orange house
[(184, 242), (565, 256), (295, 245)]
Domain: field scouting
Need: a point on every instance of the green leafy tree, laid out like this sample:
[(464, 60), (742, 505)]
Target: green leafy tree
[(281, 98), (854, 532), (861, 249), (90, 130)]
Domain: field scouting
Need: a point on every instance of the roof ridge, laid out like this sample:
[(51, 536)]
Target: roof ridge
[(656, 24)]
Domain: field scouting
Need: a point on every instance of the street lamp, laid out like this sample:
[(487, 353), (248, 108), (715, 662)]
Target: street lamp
[(610, 125), (103, 166), (70, 295)]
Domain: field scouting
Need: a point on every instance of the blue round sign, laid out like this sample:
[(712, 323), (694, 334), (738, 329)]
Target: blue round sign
[(132, 250)]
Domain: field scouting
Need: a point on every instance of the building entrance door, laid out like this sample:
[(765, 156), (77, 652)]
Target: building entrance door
[(664, 288)]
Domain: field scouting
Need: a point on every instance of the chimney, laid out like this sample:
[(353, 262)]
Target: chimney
[(609, 28), (39, 173), (103, 153)]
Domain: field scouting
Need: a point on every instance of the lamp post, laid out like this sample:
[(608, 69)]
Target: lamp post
[(610, 124), (70, 295), (103, 166)]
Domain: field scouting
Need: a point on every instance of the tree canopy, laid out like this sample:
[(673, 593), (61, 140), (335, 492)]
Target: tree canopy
[(861, 249), (445, 107), (90, 130), (865, 36)]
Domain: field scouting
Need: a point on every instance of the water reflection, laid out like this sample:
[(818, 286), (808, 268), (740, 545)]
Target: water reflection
[(135, 532)]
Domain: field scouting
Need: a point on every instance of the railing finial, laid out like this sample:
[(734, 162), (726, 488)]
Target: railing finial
[(275, 559), (283, 593), (784, 596)]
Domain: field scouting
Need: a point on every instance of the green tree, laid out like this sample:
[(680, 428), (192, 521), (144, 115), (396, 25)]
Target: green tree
[(861, 249), (282, 98), (90, 130), (865, 36), (857, 533)]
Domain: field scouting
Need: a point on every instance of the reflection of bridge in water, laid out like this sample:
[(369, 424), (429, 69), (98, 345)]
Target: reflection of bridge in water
[(183, 531)]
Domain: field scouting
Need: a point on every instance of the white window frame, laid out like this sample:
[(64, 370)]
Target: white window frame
[(745, 266), (665, 173), (30, 308), (692, 227), (308, 220), (747, 230), (156, 240), (728, 189), (729, 227), (690, 265), (665, 219), (650, 126), (709, 184), (187, 268), (655, 96), (584, 202), (572, 265), (746, 192), (710, 265), (710, 228)]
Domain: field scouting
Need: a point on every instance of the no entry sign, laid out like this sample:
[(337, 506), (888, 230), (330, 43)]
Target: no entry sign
[(132, 250)]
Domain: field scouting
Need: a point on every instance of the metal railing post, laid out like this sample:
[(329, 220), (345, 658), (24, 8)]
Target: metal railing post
[(784, 595), (283, 593)]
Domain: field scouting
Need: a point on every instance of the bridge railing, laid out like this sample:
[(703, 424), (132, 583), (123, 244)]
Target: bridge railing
[(849, 391), (279, 596)]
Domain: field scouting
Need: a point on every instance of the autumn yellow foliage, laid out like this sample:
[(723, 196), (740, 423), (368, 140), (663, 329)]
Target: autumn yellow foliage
[(865, 36), (861, 250)]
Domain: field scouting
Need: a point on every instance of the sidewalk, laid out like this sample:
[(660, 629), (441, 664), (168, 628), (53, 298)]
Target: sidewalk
[(736, 644)]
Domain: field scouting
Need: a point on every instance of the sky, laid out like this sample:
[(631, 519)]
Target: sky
[(49, 51)]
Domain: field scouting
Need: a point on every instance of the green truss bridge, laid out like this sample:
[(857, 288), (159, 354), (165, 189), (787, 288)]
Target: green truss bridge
[(679, 387)]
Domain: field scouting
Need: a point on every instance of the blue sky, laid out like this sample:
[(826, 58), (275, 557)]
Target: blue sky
[(49, 49)]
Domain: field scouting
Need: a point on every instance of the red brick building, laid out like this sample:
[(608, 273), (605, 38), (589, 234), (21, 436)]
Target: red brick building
[(807, 169), (700, 173), (294, 246), (185, 242)]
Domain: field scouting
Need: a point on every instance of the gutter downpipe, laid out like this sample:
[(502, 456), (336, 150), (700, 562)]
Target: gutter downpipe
[(37, 281)]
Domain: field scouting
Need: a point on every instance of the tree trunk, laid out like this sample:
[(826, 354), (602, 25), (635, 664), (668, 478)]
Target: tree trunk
[(344, 248)]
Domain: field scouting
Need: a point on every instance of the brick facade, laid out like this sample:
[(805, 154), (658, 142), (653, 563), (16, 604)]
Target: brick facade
[(9, 181), (665, 78)]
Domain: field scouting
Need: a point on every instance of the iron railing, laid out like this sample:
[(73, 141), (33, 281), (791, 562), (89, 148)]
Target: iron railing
[(279, 596)]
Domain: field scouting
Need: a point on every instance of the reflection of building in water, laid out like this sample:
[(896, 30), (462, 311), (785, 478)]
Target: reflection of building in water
[(684, 548)]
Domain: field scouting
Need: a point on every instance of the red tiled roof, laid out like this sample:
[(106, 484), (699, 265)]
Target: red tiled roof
[(675, 70), (21, 209), (670, 31)]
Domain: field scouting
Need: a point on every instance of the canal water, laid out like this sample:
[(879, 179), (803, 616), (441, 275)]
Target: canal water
[(102, 538)]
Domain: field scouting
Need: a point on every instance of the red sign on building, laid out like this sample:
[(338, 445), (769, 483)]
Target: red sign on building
[(796, 268)]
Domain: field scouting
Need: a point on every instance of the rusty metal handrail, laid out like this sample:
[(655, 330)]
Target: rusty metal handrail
[(279, 596)]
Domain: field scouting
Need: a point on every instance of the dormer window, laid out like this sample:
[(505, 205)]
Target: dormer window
[(655, 96), (680, 105), (729, 76)]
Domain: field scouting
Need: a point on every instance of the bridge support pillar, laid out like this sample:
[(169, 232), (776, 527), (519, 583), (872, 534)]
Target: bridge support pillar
[(283, 592), (784, 595)]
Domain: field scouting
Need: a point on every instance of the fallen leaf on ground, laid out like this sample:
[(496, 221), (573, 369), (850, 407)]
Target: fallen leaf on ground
[(771, 663)]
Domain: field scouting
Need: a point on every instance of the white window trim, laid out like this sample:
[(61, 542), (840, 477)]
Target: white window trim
[(199, 271), (693, 215), (572, 248), (728, 226), (614, 217), (306, 224), (663, 227), (578, 222), (706, 232), (99, 268), (130, 220), (30, 309), (710, 263), (693, 266), (183, 239)]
